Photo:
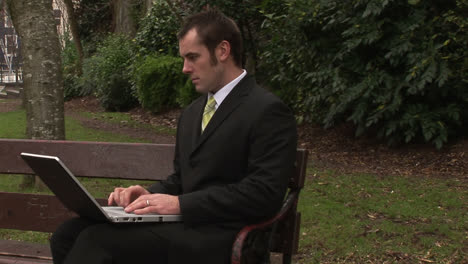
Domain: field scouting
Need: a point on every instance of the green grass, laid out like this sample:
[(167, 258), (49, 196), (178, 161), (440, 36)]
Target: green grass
[(13, 124), (359, 218)]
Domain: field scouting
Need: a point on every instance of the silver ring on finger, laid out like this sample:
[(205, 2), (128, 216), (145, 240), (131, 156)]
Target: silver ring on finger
[(147, 203)]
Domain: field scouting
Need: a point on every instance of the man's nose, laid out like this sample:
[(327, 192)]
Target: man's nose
[(187, 69)]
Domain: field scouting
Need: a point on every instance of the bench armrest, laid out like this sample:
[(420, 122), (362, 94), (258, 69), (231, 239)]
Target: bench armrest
[(289, 203)]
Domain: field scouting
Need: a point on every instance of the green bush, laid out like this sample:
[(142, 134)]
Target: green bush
[(186, 93), (158, 31), (397, 67), (70, 70), (107, 74), (160, 83), (94, 19)]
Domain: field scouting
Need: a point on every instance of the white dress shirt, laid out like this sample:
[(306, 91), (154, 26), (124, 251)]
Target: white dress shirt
[(220, 95)]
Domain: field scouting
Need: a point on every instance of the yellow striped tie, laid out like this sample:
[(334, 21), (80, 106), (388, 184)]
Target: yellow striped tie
[(208, 112)]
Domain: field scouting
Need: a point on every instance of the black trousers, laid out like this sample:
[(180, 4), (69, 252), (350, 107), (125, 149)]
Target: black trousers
[(82, 241)]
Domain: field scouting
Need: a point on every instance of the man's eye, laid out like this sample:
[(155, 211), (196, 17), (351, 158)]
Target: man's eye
[(192, 57)]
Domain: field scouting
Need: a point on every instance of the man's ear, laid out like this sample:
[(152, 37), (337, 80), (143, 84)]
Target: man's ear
[(223, 51)]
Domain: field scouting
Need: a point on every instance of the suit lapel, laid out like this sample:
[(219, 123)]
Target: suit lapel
[(197, 119), (230, 103)]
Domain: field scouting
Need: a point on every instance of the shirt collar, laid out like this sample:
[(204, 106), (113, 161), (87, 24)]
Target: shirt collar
[(220, 95)]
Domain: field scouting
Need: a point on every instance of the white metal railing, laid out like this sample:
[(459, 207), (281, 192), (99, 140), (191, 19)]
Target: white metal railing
[(7, 57), (10, 77)]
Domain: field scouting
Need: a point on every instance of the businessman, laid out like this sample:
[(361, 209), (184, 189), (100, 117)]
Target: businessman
[(235, 148)]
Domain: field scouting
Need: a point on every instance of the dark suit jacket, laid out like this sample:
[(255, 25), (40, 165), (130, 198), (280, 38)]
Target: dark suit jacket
[(236, 171)]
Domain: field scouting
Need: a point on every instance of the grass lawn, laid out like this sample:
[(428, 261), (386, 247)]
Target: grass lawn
[(368, 219), (346, 218)]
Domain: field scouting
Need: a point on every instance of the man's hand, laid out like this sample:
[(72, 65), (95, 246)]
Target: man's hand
[(155, 203), (124, 196)]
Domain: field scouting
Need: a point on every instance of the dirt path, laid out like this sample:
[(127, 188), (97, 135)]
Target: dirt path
[(338, 149), (123, 129)]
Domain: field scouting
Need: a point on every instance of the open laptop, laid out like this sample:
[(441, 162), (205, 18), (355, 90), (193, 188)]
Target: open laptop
[(75, 197)]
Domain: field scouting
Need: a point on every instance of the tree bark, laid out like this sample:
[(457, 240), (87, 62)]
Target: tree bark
[(42, 75), (148, 5), (122, 16), (75, 34)]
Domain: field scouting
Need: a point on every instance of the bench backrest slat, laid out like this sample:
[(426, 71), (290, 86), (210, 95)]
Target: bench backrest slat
[(93, 159)]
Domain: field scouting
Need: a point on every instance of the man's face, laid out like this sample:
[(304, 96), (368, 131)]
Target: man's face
[(198, 64)]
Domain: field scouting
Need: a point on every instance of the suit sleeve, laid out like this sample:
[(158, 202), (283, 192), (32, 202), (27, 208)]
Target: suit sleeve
[(259, 194)]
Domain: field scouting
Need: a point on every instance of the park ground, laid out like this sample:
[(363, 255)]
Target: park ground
[(338, 152), (335, 149)]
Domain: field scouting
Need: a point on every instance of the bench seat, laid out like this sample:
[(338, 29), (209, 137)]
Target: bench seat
[(24, 252)]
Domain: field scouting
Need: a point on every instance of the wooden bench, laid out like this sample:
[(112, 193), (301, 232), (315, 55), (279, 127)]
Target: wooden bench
[(38, 212)]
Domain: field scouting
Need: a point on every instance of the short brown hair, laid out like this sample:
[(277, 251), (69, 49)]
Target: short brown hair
[(212, 28)]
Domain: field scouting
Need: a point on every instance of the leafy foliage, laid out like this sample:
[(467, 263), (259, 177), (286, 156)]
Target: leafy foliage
[(107, 74), (94, 18), (160, 83), (158, 31), (70, 71), (395, 67)]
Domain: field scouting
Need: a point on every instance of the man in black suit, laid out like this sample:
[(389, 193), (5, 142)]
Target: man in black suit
[(235, 148)]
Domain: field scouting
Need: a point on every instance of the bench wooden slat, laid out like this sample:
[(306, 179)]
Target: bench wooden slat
[(24, 252), (93, 159), (19, 260), (296, 182), (34, 212)]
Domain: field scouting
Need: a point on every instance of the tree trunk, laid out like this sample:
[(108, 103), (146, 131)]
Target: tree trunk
[(42, 76), (122, 16), (148, 5), (74, 31)]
